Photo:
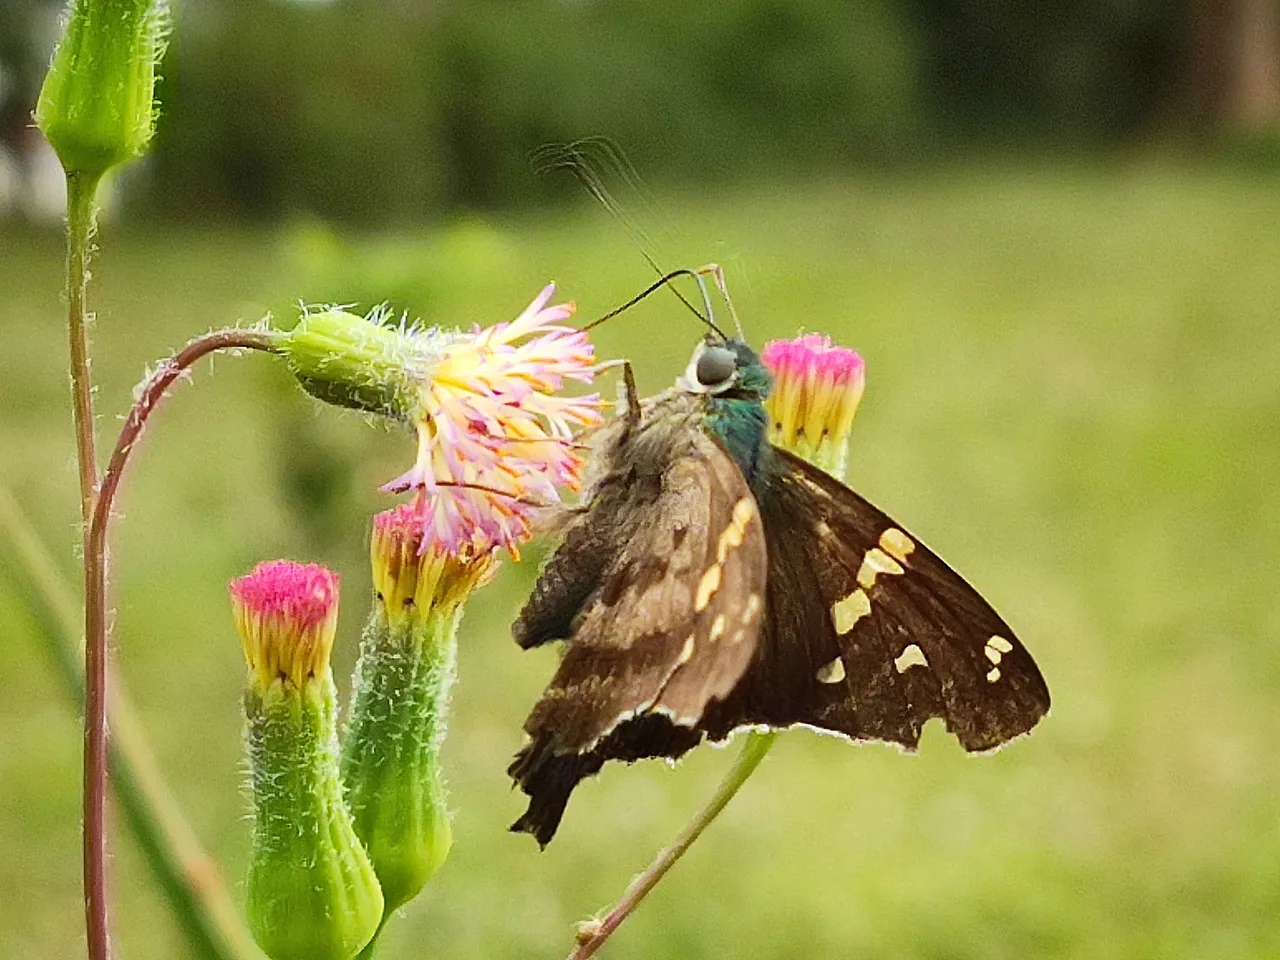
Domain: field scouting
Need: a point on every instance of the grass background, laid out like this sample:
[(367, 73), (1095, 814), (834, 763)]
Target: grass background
[(1074, 397)]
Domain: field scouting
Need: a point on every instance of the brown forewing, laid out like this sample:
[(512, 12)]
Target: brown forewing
[(663, 628)]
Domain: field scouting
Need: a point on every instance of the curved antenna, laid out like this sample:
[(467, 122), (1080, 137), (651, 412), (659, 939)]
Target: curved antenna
[(573, 158), (665, 280)]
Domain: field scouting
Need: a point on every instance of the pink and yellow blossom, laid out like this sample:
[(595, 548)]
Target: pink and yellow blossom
[(410, 575), (817, 387), (286, 614)]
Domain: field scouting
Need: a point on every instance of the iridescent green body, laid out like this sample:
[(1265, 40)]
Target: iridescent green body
[(738, 419)]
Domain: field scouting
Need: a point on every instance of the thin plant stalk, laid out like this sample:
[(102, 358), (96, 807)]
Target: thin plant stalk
[(95, 614), (592, 938), (187, 874), (82, 190)]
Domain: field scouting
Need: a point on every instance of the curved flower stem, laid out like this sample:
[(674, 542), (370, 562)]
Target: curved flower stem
[(81, 193), (95, 614), (753, 751), (187, 874)]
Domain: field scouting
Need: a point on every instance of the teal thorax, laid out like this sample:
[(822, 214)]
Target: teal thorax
[(737, 416)]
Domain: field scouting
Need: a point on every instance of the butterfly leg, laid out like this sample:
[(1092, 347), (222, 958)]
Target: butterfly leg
[(630, 397), (716, 272)]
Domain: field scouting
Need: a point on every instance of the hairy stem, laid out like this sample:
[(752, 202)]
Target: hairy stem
[(82, 189), (591, 939), (187, 874), (95, 616)]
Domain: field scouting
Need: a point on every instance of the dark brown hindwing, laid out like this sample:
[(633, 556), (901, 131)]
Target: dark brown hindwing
[(869, 635), (658, 590)]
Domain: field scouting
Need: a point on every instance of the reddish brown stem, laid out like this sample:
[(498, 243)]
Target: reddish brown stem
[(95, 614), (81, 190)]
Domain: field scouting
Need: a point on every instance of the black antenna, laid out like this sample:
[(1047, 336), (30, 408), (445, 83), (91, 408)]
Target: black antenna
[(665, 281), (572, 157)]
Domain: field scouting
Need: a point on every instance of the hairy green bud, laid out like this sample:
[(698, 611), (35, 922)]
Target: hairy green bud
[(365, 363), (391, 763), (97, 105), (311, 891)]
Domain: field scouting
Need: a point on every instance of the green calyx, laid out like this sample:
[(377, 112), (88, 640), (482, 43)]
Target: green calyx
[(360, 362), (390, 761), (97, 104), (828, 454), (312, 892)]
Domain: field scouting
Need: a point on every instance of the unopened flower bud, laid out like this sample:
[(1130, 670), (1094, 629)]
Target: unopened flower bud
[(311, 892), (817, 387), (391, 762), (363, 363), (97, 105)]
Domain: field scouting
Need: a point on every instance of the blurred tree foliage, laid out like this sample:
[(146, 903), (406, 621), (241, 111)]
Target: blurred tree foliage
[(391, 108)]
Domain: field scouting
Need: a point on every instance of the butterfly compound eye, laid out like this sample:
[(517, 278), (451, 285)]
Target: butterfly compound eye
[(715, 366)]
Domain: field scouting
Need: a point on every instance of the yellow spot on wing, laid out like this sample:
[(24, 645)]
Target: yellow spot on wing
[(1000, 643), (717, 628), (845, 613), (707, 587), (913, 656), (993, 675), (832, 672), (752, 609), (736, 531), (875, 562), (992, 653), (686, 652), (897, 544)]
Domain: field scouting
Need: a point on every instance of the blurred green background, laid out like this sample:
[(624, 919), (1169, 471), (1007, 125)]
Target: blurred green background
[(1054, 239)]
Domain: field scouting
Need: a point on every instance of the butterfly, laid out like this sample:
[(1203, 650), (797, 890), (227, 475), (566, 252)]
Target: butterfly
[(711, 581)]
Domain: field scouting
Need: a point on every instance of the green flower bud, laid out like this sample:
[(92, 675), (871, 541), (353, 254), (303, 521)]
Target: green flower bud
[(390, 763), (311, 892), (363, 363), (97, 105)]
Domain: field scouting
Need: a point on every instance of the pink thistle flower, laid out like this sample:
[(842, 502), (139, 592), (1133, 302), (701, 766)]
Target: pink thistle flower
[(286, 614), (817, 387), (495, 443)]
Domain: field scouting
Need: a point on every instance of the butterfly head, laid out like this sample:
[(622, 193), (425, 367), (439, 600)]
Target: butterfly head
[(726, 369), (733, 383)]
